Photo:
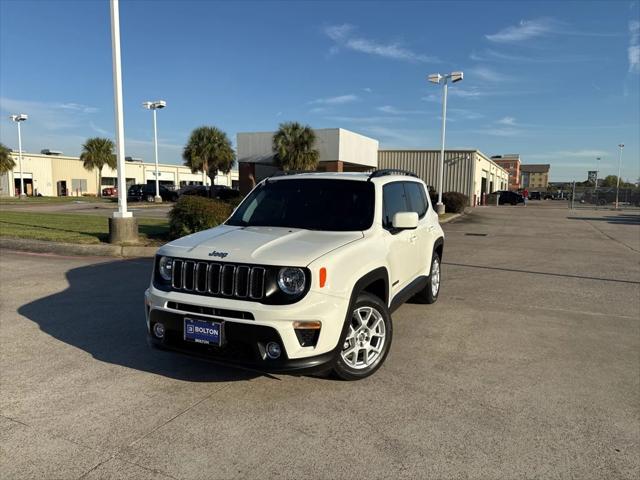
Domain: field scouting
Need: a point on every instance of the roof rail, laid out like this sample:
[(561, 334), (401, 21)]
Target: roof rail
[(282, 173), (391, 171)]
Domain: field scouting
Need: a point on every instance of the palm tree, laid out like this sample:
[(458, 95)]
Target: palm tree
[(208, 151), (96, 153), (6, 162), (293, 147)]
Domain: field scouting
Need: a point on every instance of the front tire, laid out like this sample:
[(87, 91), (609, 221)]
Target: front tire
[(368, 339)]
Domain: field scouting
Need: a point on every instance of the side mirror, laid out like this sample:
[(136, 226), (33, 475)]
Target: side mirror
[(405, 220)]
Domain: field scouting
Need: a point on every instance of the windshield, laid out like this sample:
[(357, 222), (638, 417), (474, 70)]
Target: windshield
[(312, 204)]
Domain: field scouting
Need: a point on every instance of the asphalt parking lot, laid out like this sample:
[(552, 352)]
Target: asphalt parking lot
[(527, 367)]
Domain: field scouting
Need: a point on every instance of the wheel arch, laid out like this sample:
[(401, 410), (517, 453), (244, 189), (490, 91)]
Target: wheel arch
[(438, 246)]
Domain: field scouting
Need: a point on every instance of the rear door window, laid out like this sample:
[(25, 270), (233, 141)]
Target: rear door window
[(394, 199)]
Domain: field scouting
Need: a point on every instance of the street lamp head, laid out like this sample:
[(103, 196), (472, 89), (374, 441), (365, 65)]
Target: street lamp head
[(157, 105), (435, 78), (621, 145), (456, 76), (21, 117)]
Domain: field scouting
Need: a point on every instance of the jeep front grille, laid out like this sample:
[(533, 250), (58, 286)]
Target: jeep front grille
[(218, 279)]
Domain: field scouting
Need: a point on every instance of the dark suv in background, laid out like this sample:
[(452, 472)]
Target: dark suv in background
[(140, 192), (221, 192)]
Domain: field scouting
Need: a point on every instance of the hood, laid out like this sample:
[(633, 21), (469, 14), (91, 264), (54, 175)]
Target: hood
[(259, 245)]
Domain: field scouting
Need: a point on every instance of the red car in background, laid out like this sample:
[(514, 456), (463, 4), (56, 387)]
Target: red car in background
[(110, 192)]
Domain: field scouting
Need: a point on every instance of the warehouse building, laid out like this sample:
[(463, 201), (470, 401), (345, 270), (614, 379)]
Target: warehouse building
[(52, 174), (469, 172), (339, 150), (466, 171)]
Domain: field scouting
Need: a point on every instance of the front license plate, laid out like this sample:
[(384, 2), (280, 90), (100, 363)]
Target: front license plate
[(202, 331)]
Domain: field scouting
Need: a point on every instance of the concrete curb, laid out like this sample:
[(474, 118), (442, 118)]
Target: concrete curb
[(449, 219), (100, 250)]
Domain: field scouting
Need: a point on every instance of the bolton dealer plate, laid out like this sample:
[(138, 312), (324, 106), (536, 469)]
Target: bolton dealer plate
[(202, 331)]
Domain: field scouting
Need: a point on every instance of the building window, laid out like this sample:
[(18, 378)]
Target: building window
[(78, 185), (109, 181)]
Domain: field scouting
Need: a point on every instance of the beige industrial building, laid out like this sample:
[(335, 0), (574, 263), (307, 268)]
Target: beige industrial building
[(52, 174), (339, 150), (469, 172), (466, 171)]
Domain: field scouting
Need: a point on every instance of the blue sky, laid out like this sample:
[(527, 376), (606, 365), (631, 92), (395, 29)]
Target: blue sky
[(557, 82)]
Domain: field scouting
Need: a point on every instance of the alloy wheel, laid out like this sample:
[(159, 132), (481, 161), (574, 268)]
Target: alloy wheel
[(365, 340), (435, 276)]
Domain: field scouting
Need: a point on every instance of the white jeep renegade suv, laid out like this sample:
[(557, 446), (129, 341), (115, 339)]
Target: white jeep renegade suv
[(303, 276)]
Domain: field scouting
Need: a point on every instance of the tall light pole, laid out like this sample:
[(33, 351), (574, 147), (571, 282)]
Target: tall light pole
[(595, 188), (21, 117), (444, 80), (123, 226), (620, 146), (153, 106)]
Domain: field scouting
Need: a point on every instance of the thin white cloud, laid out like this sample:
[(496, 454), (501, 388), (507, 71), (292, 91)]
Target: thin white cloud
[(390, 137), (101, 131), (541, 27), (489, 55), (501, 132), (525, 30), (487, 74), (368, 90), (345, 36), (396, 111), (634, 46), (507, 121), (317, 110), (339, 100), (50, 116), (568, 154), (366, 120)]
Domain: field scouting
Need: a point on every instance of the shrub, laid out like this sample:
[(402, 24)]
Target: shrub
[(454, 202), (192, 214)]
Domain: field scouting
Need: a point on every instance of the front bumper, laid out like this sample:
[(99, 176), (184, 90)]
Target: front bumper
[(246, 336)]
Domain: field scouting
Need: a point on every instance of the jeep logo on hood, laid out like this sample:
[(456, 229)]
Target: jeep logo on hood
[(218, 254)]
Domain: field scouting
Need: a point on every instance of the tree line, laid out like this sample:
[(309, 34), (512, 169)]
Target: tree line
[(208, 151)]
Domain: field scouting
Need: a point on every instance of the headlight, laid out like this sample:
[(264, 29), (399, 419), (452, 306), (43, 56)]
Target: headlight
[(165, 267), (291, 280)]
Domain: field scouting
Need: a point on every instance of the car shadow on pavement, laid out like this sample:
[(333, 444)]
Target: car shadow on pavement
[(623, 219), (102, 312)]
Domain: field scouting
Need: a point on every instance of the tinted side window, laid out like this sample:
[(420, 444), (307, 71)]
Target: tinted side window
[(417, 198), (394, 200)]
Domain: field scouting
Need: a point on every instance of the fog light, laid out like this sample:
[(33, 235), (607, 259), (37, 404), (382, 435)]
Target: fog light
[(158, 330), (273, 350)]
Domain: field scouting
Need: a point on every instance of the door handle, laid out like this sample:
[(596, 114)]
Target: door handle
[(413, 238), (431, 228)]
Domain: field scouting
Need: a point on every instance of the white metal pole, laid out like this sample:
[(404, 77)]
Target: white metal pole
[(440, 205), (155, 144), (621, 146), (117, 100), (22, 194)]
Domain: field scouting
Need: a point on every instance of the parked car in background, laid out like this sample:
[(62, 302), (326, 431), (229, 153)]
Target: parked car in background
[(507, 197), (221, 192), (110, 192), (140, 192), (535, 196)]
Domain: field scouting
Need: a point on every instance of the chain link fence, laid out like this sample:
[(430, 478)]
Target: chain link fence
[(596, 198)]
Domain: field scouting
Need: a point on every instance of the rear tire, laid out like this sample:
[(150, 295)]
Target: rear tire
[(367, 341), (150, 198), (429, 294)]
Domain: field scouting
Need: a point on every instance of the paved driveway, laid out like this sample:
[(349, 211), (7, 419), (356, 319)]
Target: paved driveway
[(527, 367)]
